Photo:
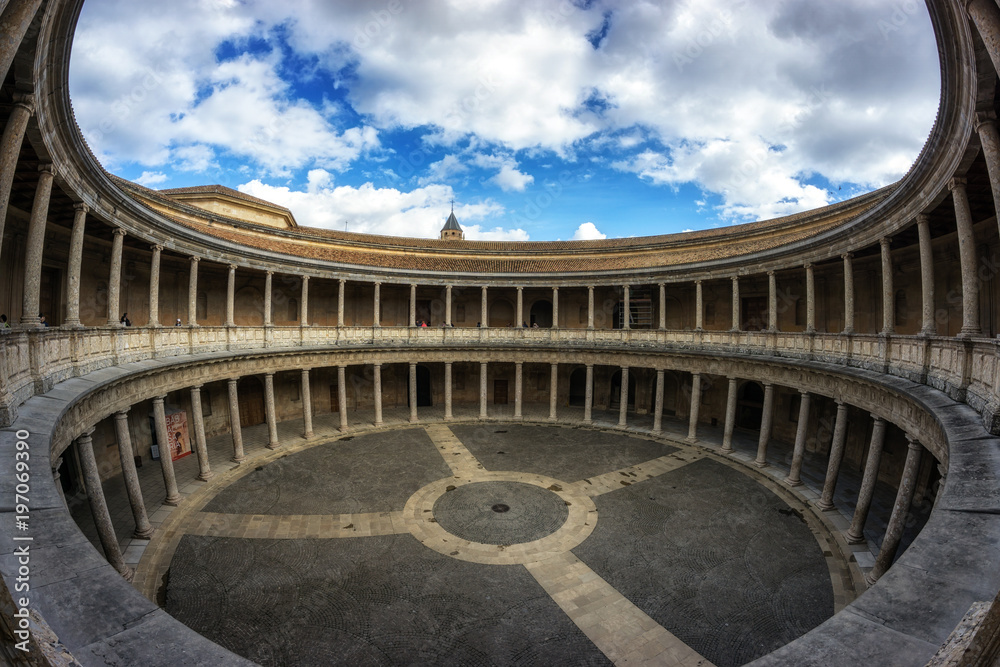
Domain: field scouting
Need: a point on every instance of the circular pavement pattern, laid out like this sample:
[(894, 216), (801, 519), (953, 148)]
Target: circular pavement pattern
[(500, 512)]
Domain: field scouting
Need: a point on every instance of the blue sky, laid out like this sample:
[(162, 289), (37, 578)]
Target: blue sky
[(542, 120)]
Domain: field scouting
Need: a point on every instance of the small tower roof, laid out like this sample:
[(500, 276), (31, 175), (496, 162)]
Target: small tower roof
[(451, 224)]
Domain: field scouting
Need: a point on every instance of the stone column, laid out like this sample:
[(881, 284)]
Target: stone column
[(699, 306), (848, 293), (765, 426), (307, 408), (856, 533), (10, 147), (967, 255), (99, 506), (413, 305), (193, 293), (810, 299), (888, 292), (482, 390), (377, 390), (231, 297), (986, 16), (692, 435), (74, 265), (115, 278), (518, 389), (143, 530), (166, 455), (234, 422), (519, 320), (555, 307), (14, 22), (304, 313), (658, 403), (928, 327), (34, 246), (342, 396), (904, 496), (154, 287), (341, 286), (623, 400), (663, 306), (447, 305), (268, 288), (201, 447), (269, 412), (794, 477), (590, 307), (413, 392), (553, 391), (588, 403), (627, 311), (447, 392), (772, 301), (377, 312), (727, 432), (483, 311), (736, 304), (836, 457), (989, 139)]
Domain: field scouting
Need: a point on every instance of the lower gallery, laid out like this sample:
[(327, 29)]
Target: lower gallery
[(772, 444)]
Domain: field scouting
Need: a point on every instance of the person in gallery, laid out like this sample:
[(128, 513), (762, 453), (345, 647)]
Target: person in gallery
[(3, 322), (125, 321)]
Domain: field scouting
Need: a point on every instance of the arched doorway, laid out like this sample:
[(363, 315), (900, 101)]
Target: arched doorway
[(249, 306), (501, 314), (424, 396), (750, 406), (251, 393), (616, 390), (578, 387), (541, 314)]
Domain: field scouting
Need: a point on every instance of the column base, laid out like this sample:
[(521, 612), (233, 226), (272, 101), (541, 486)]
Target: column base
[(824, 506), (143, 534), (308, 435), (691, 439), (969, 333), (870, 580), (273, 445), (205, 476), (761, 464), (173, 501), (30, 323), (378, 424), (518, 418), (551, 418), (792, 482), (854, 539), (127, 574), (726, 450), (72, 324), (238, 459)]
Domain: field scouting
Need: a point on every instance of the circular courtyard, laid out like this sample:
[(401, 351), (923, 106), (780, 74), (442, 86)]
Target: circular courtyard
[(500, 544)]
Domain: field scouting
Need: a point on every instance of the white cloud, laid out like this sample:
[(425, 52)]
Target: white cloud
[(149, 178), (588, 231), (508, 177), (418, 213)]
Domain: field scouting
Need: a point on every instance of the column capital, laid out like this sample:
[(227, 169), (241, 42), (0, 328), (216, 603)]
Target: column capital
[(912, 442), (232, 381), (342, 280), (590, 366), (119, 231), (697, 282), (80, 206), (735, 278), (885, 241), (377, 283), (47, 168), (159, 400), (878, 419), (25, 101), (984, 118), (958, 182), (87, 433), (520, 289), (270, 273), (305, 371), (156, 247), (305, 279), (803, 392), (555, 288), (923, 219), (847, 256), (449, 286), (196, 387), (121, 415), (269, 375), (807, 266), (195, 260), (232, 268), (770, 273)]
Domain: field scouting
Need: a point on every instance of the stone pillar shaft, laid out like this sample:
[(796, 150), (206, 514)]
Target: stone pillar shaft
[(699, 306), (377, 306), (695, 407), (193, 293), (166, 455), (727, 432), (307, 410), (518, 386), (765, 426), (810, 299), (737, 325), (855, 534), (836, 457), (413, 392), (794, 477), (269, 412), (989, 139), (627, 310), (304, 313), (967, 255), (14, 22), (115, 278), (413, 305), (483, 311), (848, 292), (772, 301), (10, 148), (234, 421), (555, 307), (74, 265), (888, 292), (154, 287), (663, 306), (482, 390), (897, 521), (553, 391), (590, 307), (447, 305), (143, 529), (342, 396), (447, 391), (341, 287), (231, 297), (201, 446), (986, 16), (928, 326), (519, 317), (99, 506), (623, 400), (34, 246), (268, 289), (377, 390), (658, 403), (588, 403)]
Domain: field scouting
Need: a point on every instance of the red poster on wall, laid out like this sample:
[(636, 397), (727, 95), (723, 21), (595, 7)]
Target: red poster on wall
[(177, 435)]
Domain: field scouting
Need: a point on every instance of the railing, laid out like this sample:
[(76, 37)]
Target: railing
[(31, 362)]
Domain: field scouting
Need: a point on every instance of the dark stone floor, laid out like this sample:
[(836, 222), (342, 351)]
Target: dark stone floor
[(500, 512)]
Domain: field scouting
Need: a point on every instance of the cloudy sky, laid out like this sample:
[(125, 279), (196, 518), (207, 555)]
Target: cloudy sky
[(541, 119)]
